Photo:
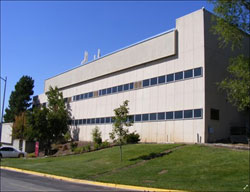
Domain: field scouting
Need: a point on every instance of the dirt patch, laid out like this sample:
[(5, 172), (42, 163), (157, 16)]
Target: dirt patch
[(163, 171)]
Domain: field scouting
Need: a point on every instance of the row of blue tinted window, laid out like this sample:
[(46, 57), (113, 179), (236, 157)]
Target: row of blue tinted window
[(171, 115), (145, 83)]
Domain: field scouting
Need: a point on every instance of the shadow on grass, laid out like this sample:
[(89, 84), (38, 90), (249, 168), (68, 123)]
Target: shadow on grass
[(150, 156)]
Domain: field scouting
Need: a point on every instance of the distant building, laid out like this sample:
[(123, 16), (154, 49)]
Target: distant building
[(170, 82)]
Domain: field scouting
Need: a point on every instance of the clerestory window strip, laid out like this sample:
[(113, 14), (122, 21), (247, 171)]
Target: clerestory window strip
[(168, 78)]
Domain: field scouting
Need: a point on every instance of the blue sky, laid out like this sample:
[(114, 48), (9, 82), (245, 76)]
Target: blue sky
[(42, 39)]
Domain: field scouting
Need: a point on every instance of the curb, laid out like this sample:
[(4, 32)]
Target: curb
[(96, 183)]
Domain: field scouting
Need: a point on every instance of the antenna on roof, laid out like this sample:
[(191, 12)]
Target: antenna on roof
[(98, 53), (85, 60)]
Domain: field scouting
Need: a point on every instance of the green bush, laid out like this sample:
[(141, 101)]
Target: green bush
[(78, 150), (87, 147), (67, 136), (96, 146), (73, 145), (105, 144), (132, 137), (96, 136)]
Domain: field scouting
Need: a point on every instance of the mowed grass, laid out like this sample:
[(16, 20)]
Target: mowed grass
[(190, 167), (87, 165)]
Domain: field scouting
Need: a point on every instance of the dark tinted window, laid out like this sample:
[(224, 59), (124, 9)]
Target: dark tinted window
[(126, 87), (131, 118), (170, 77), (82, 96), (86, 95), (153, 81), (120, 88), (108, 119), (88, 121), (108, 90), (92, 121), (145, 83), (84, 121), (131, 86), (188, 73), (102, 120), (161, 116), (74, 98), (197, 113), (100, 92), (114, 89), (178, 76), (90, 94), (197, 71), (188, 114), (77, 97), (112, 119), (152, 116), (178, 114), (104, 91), (137, 117), (145, 117), (162, 79), (169, 115), (97, 120), (80, 121), (76, 122), (214, 114)]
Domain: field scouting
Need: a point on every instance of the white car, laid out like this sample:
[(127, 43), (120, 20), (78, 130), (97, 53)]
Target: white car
[(11, 152)]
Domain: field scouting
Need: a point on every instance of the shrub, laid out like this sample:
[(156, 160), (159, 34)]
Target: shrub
[(31, 155), (105, 144), (132, 137), (73, 145), (88, 147), (67, 136), (78, 150), (96, 136), (96, 146)]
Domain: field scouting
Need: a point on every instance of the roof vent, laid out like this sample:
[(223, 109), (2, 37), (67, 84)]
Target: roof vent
[(85, 60), (98, 53)]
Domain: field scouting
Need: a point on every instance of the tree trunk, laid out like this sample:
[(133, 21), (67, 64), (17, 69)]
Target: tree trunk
[(121, 152)]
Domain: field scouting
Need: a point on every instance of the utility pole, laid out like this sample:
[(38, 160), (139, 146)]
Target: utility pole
[(1, 121)]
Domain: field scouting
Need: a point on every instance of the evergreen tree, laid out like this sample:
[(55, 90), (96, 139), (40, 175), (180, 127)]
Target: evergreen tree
[(20, 98)]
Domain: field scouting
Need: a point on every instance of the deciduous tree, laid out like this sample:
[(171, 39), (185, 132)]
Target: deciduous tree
[(232, 26), (121, 121), (49, 124)]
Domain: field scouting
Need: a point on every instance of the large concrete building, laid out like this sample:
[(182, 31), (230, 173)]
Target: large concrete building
[(169, 80)]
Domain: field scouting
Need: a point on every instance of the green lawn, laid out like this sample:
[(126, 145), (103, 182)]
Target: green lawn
[(191, 167)]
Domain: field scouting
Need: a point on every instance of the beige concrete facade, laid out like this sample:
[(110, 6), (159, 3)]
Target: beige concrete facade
[(183, 48)]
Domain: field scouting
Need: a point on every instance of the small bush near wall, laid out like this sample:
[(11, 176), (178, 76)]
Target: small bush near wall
[(96, 136), (105, 144), (73, 146), (132, 138)]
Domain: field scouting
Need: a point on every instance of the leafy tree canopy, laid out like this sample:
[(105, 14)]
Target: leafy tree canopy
[(49, 124), (232, 26), (20, 98), (233, 19)]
